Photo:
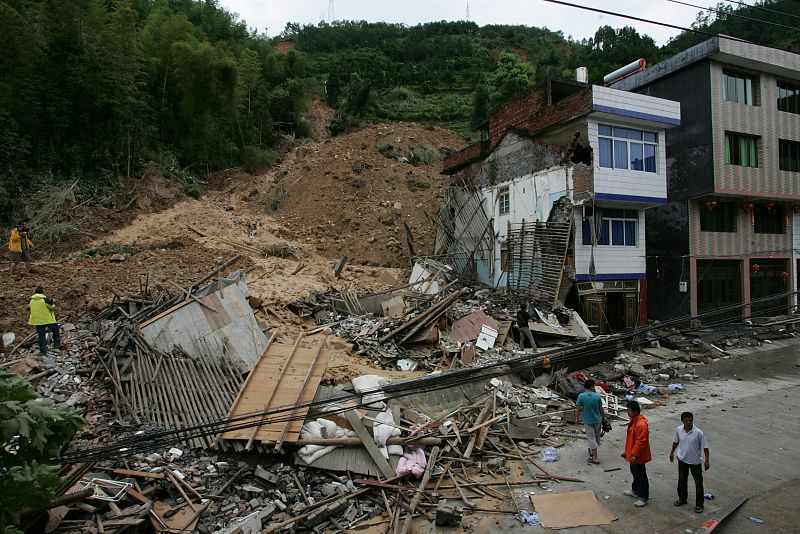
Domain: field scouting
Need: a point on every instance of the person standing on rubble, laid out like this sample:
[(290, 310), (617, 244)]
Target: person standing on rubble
[(524, 328), (637, 453), (590, 410), (20, 247), (691, 444), (43, 317)]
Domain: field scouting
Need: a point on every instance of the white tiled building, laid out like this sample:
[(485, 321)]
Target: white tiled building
[(604, 150)]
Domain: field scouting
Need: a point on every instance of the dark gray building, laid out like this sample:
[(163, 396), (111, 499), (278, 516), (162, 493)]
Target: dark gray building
[(730, 232)]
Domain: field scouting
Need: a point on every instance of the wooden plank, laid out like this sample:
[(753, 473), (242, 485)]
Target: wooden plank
[(132, 473), (304, 393), (369, 444), (712, 524), (268, 403), (298, 371)]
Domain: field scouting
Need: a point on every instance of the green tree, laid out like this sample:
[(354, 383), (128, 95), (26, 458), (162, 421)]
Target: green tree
[(511, 78), (32, 433), (480, 106)]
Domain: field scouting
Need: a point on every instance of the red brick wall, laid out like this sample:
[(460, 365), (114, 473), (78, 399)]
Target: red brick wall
[(529, 112), (582, 178)]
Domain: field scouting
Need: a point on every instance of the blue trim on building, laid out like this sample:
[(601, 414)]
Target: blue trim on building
[(630, 198), (600, 277), (636, 114)]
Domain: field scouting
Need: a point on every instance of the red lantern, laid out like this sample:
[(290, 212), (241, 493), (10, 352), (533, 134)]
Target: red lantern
[(710, 205), (784, 276), (770, 206), (755, 267), (796, 208)]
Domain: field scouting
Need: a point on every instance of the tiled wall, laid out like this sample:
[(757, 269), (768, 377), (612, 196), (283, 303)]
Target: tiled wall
[(743, 242), (626, 182), (610, 259), (635, 105), (764, 120)]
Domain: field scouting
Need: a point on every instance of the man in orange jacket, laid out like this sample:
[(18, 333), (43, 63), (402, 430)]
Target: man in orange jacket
[(637, 453)]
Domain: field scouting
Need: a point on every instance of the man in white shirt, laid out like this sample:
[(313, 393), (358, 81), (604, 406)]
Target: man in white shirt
[(690, 441)]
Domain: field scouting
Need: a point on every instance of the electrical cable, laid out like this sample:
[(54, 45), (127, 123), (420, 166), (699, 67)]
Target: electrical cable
[(144, 442), (673, 26), (755, 6), (745, 17)]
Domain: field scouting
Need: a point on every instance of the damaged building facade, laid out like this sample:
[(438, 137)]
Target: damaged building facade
[(729, 234), (552, 201)]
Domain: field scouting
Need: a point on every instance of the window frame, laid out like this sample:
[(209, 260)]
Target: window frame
[(775, 225), (745, 78), (712, 218), (791, 99), (627, 137), (629, 217), (788, 155), (729, 146), (504, 200)]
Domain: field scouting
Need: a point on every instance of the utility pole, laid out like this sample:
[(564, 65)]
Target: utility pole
[(331, 11)]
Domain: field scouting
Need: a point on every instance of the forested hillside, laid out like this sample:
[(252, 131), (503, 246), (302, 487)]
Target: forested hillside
[(452, 73), (91, 90)]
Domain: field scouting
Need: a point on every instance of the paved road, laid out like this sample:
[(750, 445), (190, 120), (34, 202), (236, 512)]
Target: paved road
[(753, 427)]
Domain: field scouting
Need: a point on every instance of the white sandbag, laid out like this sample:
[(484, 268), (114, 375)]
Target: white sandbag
[(370, 385)]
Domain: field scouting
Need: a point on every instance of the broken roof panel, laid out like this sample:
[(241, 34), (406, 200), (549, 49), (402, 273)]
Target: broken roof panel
[(216, 320)]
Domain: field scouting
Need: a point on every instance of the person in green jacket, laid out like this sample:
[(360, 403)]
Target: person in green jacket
[(43, 317)]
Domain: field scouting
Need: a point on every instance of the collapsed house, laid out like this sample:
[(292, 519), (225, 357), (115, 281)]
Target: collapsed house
[(552, 202)]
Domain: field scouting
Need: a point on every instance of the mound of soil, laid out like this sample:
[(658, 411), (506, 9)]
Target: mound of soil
[(352, 194)]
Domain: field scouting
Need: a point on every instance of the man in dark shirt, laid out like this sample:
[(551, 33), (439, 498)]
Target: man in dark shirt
[(524, 330)]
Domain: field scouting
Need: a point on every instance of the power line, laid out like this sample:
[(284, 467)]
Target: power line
[(725, 13), (755, 6), (673, 26)]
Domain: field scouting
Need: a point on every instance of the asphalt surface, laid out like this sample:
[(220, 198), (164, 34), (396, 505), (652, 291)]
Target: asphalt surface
[(749, 408)]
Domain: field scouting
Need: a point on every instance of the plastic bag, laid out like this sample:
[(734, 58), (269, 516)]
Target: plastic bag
[(550, 454)]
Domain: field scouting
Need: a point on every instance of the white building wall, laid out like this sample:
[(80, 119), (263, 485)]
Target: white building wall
[(609, 259), (625, 182), (531, 198)]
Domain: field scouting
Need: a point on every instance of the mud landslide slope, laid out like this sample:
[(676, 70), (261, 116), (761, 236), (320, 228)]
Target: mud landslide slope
[(350, 195)]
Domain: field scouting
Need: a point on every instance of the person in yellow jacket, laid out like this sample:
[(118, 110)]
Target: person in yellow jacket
[(20, 246), (43, 317)]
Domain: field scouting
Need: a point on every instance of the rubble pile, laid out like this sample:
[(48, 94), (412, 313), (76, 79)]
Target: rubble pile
[(204, 433)]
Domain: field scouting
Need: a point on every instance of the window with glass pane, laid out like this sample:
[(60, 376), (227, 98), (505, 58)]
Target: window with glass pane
[(718, 218), (741, 150), (625, 148), (739, 88), (606, 153), (504, 201), (789, 155), (617, 228), (769, 218), (788, 97)]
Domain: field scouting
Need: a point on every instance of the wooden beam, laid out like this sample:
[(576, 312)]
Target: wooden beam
[(369, 443), (417, 495)]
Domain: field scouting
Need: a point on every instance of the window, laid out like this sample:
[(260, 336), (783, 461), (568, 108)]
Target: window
[(741, 150), (624, 148), (617, 227), (769, 218), (505, 266), (788, 97), (504, 200), (717, 216), (739, 88), (789, 155)]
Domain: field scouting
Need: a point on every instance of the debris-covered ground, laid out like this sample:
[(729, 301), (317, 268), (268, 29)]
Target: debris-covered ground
[(242, 369), (445, 416)]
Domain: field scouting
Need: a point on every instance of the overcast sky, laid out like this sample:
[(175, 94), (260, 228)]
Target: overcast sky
[(271, 16)]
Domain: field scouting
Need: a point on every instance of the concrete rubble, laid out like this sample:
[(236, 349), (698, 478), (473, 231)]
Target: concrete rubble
[(448, 441)]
